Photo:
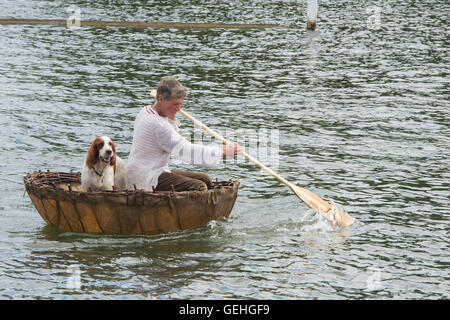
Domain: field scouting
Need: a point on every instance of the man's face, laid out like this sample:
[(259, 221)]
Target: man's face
[(170, 107)]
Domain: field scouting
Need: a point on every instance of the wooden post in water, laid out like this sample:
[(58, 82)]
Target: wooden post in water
[(311, 14)]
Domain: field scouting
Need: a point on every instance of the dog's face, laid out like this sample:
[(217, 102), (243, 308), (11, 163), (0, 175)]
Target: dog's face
[(102, 149), (106, 150)]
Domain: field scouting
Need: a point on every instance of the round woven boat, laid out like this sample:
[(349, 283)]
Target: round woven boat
[(59, 200)]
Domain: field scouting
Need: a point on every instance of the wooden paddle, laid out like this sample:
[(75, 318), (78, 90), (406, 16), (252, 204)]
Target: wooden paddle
[(331, 213)]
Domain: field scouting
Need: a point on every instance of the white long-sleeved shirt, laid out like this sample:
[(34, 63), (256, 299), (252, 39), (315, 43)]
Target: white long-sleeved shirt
[(154, 139)]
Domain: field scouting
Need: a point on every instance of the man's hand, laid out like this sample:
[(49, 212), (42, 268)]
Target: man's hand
[(231, 149)]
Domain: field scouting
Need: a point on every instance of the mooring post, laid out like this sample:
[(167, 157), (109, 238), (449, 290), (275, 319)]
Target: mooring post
[(311, 14)]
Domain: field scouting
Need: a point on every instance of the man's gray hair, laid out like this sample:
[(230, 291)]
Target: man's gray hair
[(170, 88)]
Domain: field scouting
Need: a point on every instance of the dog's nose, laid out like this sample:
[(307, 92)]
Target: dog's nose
[(108, 152)]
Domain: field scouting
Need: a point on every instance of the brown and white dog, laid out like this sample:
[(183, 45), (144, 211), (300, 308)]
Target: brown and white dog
[(103, 169)]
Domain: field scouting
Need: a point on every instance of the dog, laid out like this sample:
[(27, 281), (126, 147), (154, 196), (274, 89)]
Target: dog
[(103, 169)]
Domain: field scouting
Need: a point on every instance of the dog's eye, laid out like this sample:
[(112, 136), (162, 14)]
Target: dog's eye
[(110, 143)]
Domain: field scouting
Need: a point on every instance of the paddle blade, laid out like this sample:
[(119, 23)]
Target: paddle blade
[(331, 213), (340, 217)]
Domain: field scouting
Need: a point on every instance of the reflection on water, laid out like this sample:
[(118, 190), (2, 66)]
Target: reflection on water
[(362, 119)]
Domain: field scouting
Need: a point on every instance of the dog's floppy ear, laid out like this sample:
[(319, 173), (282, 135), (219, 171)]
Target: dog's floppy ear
[(113, 158), (92, 154)]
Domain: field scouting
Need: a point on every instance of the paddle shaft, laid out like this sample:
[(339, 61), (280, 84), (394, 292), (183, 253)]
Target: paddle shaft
[(225, 141), (306, 196)]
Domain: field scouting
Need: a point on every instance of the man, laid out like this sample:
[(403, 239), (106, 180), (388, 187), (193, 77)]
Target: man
[(156, 137)]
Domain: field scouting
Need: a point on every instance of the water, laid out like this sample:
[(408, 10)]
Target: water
[(362, 115)]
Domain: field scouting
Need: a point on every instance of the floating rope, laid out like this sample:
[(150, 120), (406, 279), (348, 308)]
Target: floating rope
[(138, 24)]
